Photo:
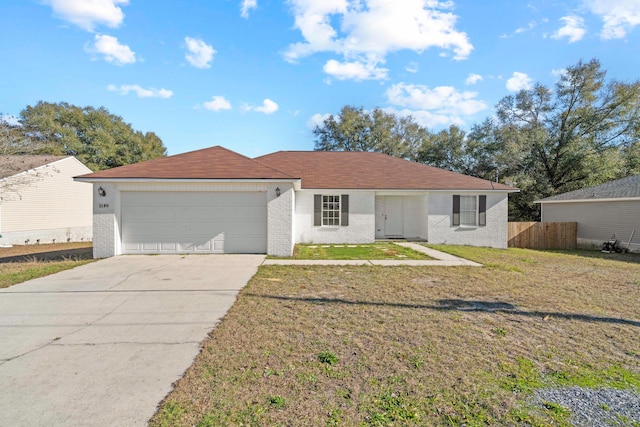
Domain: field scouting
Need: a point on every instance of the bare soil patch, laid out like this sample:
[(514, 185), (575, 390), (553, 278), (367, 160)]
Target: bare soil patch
[(25, 262), (46, 252)]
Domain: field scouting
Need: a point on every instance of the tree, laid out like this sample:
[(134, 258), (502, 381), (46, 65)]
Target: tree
[(355, 129), (14, 140), (444, 149), (553, 141), (96, 137)]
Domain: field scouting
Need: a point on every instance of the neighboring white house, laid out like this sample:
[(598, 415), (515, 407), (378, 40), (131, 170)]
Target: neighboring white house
[(41, 203), (217, 201), (600, 211)]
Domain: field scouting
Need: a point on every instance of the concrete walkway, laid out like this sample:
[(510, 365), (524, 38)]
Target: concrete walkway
[(102, 344), (440, 259)]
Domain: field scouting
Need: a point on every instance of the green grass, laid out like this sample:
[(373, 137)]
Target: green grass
[(416, 345), (373, 251), (12, 273)]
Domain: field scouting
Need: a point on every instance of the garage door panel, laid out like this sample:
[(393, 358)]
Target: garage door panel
[(199, 222)]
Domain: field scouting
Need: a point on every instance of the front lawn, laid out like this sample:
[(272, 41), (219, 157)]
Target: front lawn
[(381, 250), (21, 263), (367, 345)]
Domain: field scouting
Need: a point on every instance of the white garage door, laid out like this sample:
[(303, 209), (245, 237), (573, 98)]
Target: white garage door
[(203, 222)]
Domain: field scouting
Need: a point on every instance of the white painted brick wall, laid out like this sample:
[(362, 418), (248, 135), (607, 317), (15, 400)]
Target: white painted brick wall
[(494, 234), (361, 228), (280, 219), (104, 234)]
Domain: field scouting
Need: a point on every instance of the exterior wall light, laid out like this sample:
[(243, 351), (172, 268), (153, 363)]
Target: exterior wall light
[(277, 191)]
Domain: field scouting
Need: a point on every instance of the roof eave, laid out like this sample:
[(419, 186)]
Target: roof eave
[(190, 180), (610, 199), (448, 190)]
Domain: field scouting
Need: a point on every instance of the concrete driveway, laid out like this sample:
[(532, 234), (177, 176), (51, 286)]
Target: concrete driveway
[(102, 344)]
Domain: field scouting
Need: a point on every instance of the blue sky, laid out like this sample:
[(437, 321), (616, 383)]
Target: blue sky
[(255, 75)]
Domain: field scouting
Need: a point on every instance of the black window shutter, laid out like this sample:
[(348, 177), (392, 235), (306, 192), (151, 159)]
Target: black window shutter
[(482, 210), (456, 210), (344, 210), (317, 210)]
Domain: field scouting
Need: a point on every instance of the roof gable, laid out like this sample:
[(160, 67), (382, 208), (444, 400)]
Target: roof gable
[(209, 163), (368, 170), (14, 164), (628, 187)]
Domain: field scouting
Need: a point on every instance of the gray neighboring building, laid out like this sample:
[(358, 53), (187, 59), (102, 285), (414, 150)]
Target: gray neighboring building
[(600, 211)]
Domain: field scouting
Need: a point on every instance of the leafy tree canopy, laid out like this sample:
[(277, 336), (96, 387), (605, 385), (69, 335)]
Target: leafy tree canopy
[(582, 132), (355, 129), (13, 140), (96, 137)]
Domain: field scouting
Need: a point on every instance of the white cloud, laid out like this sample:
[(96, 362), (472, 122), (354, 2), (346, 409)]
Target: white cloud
[(619, 16), (267, 107), (247, 5), (473, 78), (518, 81), (141, 92), (112, 50), (365, 31), (317, 120), (442, 98), (573, 29), (217, 103), (529, 27), (412, 67), (10, 119), (434, 107), (200, 54), (87, 14), (558, 72), (427, 118), (354, 70)]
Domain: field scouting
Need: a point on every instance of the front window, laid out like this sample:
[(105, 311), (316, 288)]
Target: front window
[(330, 210), (468, 209)]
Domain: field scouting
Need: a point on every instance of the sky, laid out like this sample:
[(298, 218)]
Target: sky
[(256, 76)]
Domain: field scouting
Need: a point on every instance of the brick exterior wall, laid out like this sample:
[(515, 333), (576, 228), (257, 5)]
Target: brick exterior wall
[(494, 234), (280, 220), (104, 234), (361, 228)]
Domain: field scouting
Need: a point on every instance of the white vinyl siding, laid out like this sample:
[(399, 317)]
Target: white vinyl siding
[(598, 221), (47, 199), (200, 222)]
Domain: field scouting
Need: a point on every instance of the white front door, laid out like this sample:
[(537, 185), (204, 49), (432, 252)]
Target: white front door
[(389, 216)]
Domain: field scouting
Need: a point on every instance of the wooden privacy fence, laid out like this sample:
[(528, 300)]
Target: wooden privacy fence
[(543, 235)]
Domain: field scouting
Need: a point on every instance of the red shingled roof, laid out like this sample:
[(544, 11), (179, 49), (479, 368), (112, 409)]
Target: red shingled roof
[(209, 163), (364, 170), (316, 169)]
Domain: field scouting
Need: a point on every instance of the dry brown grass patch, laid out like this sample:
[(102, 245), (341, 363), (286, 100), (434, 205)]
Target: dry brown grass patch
[(414, 345)]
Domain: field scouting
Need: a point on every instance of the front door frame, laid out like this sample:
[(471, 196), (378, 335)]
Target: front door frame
[(389, 216)]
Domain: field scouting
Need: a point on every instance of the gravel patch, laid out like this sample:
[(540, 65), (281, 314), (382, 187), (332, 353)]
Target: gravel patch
[(595, 407)]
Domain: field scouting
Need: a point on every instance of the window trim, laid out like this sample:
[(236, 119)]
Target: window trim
[(331, 210), (342, 210), (480, 219)]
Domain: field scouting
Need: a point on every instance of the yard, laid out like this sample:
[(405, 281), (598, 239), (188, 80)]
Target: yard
[(366, 345), (22, 263), (381, 250)]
